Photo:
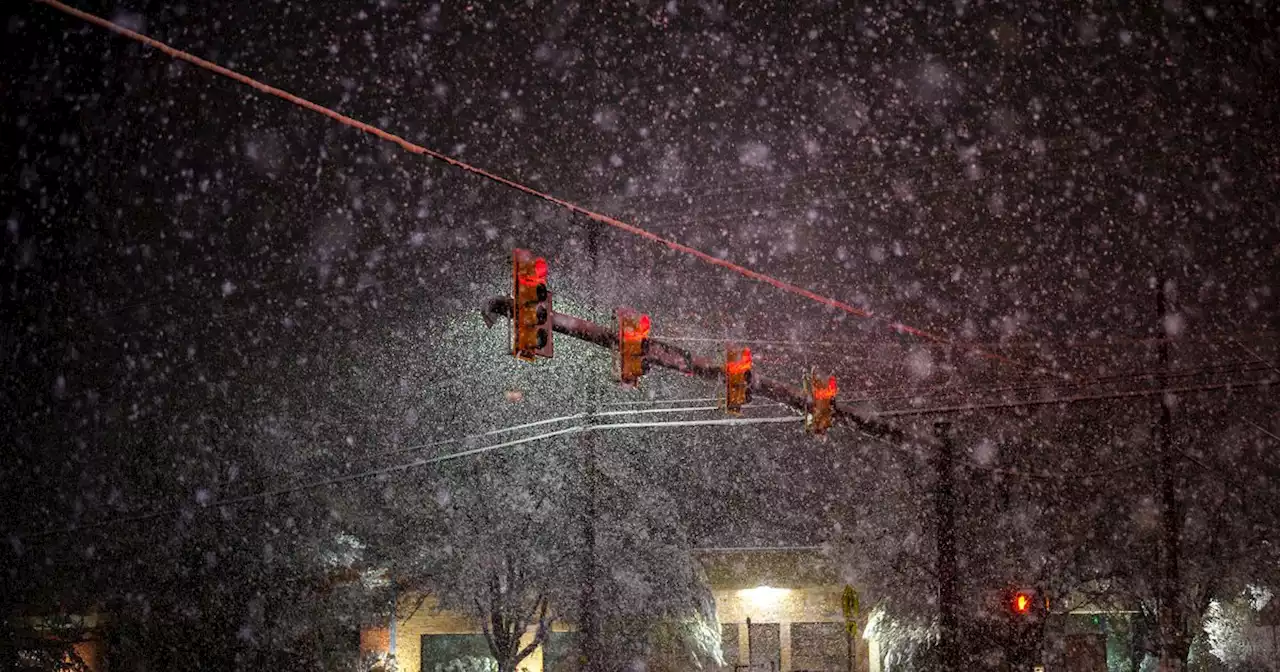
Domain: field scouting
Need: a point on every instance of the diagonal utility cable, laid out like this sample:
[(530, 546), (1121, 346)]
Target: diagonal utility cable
[(298, 487), (411, 147), (546, 421), (1021, 473), (396, 468), (1265, 383), (1260, 428)]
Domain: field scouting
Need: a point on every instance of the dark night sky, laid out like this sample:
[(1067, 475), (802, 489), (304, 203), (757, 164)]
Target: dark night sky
[(179, 246)]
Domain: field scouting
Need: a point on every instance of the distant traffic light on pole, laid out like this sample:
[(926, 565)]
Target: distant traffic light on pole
[(633, 345), (531, 312), (737, 379), (821, 398), (1027, 603), (1023, 641)]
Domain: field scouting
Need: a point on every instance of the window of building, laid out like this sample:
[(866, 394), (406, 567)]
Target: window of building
[(766, 646), (456, 653), (560, 652), (818, 647), (729, 645)]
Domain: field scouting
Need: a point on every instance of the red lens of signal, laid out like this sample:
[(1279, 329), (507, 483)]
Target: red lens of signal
[(743, 364)]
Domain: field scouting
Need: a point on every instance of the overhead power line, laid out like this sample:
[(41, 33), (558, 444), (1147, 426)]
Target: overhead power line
[(1105, 343), (549, 421), (659, 401), (733, 422), (899, 393), (1058, 401), (407, 466), (1058, 475), (1262, 429), (299, 487), (897, 327), (1020, 473), (461, 439)]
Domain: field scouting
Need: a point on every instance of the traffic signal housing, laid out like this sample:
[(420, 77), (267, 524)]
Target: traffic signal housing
[(633, 345), (531, 312), (737, 379), (821, 399), (1027, 612)]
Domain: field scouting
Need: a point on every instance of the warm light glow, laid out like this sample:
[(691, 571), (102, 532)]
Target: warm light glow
[(639, 333), (742, 365), (1022, 603), (825, 392), (535, 276), (763, 597)]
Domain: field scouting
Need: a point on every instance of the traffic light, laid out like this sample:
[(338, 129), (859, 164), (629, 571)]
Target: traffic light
[(633, 345), (1027, 611), (1027, 603), (737, 379), (820, 400), (1021, 602), (531, 307)]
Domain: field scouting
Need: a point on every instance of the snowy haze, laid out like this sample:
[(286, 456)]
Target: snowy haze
[(208, 293)]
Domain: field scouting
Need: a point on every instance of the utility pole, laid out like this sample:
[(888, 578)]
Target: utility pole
[(1172, 626), (945, 514), (589, 627)]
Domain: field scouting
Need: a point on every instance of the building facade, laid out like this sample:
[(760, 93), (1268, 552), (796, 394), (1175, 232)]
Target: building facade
[(779, 609)]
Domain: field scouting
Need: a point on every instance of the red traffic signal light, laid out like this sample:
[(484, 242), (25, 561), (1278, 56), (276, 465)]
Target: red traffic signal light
[(826, 393), (737, 378), (1027, 603), (821, 397), (531, 312), (633, 345)]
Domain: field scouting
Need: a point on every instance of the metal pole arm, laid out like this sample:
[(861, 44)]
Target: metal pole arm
[(672, 357)]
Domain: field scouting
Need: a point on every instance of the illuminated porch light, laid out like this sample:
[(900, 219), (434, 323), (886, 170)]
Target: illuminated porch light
[(763, 597)]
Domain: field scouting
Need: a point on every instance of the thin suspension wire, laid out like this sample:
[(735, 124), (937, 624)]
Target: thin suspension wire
[(973, 390), (1265, 382), (895, 394), (659, 401), (1260, 428), (801, 344), (1254, 353), (406, 466), (421, 462), (302, 473), (700, 423), (414, 148), (1062, 476), (1018, 473), (471, 437), (1024, 383), (299, 487), (537, 423), (641, 411)]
